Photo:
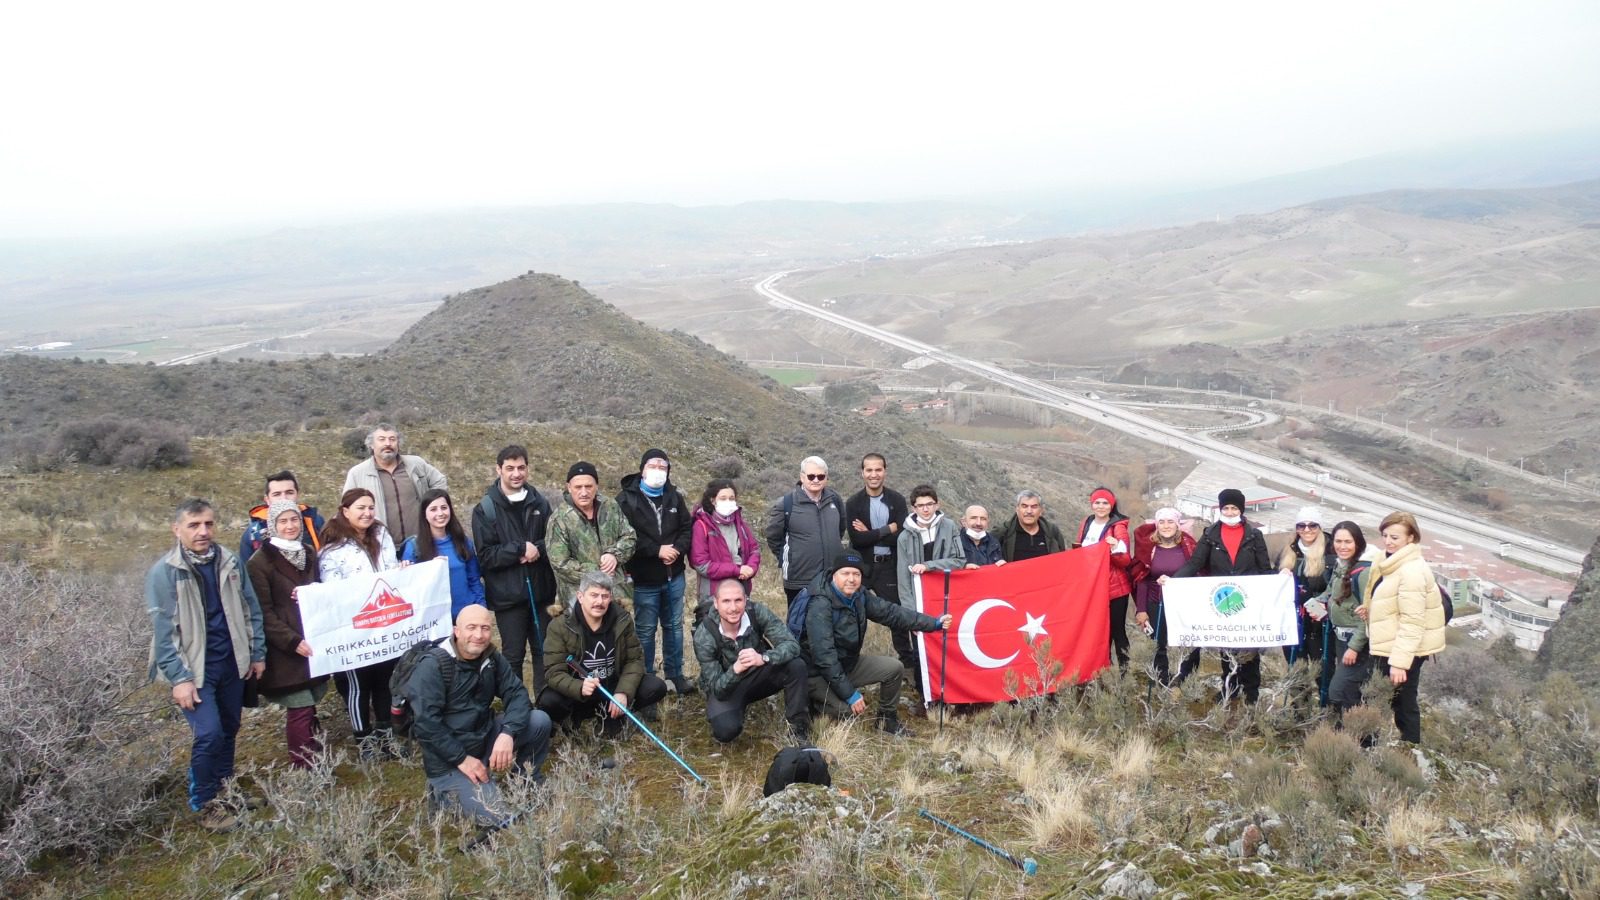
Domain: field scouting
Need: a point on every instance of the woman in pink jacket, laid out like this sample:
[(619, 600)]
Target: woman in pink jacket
[(721, 545)]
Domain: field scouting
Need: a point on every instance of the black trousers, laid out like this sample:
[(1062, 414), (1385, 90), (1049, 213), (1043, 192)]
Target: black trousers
[(1241, 672), (366, 696), (523, 628), (562, 708), (1163, 672), (1119, 629), (1311, 643), (726, 714), (885, 582), (1407, 713)]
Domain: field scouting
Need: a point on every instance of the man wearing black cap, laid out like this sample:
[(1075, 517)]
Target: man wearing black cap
[(1231, 547), (837, 611), (587, 534), (662, 521)]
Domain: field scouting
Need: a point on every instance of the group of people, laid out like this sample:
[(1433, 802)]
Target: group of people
[(579, 589)]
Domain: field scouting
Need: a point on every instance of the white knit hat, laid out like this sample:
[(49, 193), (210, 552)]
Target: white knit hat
[(1309, 514)]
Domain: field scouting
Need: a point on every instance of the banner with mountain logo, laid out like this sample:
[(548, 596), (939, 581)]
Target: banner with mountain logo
[(1003, 616), (1244, 611), (371, 618)]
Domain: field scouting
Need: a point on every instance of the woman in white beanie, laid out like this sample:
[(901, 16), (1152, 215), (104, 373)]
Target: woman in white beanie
[(1309, 558)]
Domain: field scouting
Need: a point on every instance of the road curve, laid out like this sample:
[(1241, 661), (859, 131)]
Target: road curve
[(1435, 518)]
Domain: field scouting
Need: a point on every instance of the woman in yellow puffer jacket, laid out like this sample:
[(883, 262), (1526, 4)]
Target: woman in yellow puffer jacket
[(1405, 617)]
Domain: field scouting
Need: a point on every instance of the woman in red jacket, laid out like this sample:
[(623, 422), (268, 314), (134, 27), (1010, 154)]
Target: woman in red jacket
[(1107, 524), (1160, 547)]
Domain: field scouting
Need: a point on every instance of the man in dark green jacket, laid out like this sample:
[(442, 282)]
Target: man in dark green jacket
[(836, 626), (597, 636), (1028, 534), (747, 654), (462, 739)]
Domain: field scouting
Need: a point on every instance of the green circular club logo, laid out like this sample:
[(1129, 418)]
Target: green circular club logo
[(1228, 599)]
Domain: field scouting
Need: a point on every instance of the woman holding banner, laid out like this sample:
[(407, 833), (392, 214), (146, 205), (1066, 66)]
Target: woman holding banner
[(1160, 548), (1405, 617), (1106, 524), (439, 533), (355, 543), (1231, 546), (277, 570)]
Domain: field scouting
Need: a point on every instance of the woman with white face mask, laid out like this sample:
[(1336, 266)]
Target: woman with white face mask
[(722, 545)]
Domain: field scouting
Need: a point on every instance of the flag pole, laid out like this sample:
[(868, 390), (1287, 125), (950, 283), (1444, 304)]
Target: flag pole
[(944, 649)]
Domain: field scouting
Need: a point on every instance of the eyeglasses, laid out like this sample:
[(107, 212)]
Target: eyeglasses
[(930, 504), (816, 477), (1306, 526)]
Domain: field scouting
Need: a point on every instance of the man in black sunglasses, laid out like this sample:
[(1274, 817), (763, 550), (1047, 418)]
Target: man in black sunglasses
[(806, 527)]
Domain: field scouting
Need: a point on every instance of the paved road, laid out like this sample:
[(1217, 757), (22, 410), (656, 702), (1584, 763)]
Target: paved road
[(1437, 520)]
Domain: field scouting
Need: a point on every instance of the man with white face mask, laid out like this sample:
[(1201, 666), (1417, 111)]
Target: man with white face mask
[(979, 546), (661, 519)]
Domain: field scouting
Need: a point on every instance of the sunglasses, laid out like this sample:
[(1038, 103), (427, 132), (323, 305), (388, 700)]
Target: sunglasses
[(812, 477), (1306, 526)]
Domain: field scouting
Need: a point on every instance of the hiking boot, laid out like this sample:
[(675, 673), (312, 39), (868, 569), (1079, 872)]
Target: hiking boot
[(649, 714), (390, 745), (799, 734), (369, 747), (682, 685), (216, 818), (612, 728), (890, 723)]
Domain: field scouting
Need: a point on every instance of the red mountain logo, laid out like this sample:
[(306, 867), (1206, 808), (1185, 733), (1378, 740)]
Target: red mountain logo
[(384, 607)]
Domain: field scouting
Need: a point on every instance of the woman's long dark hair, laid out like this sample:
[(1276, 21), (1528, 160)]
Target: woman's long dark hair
[(1361, 548), (339, 529), (425, 548), (708, 500)]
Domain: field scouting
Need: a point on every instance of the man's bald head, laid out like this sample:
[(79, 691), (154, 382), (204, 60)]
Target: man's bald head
[(474, 631)]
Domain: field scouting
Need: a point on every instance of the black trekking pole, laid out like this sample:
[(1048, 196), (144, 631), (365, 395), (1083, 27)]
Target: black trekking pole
[(573, 665), (1027, 865), (944, 649)]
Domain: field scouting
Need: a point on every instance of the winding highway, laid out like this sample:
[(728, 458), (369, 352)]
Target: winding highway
[(1436, 519)]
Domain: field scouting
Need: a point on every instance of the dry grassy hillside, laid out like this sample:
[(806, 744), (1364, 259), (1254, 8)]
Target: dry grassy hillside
[(536, 349)]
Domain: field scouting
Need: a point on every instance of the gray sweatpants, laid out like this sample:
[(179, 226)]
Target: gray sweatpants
[(884, 671)]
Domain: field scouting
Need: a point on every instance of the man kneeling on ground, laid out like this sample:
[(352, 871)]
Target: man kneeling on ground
[(747, 654), (836, 626), (462, 739), (598, 636)]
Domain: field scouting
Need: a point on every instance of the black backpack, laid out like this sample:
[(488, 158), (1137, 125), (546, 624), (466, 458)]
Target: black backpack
[(796, 617), (797, 765), (400, 681)]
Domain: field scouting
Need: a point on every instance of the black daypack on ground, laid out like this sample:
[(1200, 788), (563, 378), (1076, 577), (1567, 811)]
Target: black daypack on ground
[(400, 681), (797, 765)]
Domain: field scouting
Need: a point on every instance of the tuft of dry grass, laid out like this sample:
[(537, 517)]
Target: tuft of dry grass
[(1411, 825), (1076, 745), (914, 788), (1134, 759), (845, 744), (737, 794), (1037, 769), (1061, 813)]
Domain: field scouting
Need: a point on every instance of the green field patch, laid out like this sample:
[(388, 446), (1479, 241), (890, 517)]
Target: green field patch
[(790, 377)]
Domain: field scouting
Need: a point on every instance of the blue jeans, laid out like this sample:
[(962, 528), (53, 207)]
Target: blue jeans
[(215, 722), (664, 603), (481, 802)]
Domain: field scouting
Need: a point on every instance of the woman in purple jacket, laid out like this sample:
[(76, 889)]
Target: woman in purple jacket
[(722, 546)]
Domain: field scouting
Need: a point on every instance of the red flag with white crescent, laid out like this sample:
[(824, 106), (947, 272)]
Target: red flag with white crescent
[(1002, 614)]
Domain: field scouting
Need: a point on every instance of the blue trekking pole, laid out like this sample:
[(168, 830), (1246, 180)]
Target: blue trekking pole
[(573, 665), (1027, 865)]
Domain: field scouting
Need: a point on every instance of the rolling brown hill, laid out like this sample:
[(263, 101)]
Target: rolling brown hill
[(534, 349)]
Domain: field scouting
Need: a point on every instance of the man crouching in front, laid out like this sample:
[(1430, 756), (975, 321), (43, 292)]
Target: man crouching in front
[(462, 740)]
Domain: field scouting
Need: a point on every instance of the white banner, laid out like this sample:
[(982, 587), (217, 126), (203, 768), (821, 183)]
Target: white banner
[(1245, 611), (370, 618)]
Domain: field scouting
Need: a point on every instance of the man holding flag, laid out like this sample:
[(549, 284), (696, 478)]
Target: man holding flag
[(837, 611)]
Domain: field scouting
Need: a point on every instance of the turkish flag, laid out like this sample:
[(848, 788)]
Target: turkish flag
[(1003, 614)]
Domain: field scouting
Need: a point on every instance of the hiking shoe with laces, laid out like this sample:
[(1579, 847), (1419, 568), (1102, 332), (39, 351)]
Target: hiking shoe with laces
[(216, 818)]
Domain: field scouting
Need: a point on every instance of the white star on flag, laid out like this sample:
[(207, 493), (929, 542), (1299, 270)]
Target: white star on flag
[(1033, 628)]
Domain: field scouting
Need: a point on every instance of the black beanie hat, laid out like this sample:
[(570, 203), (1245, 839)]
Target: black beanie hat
[(1231, 497), (653, 453), (849, 559), (583, 468)]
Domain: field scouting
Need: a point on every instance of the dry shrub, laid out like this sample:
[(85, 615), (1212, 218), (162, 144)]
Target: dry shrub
[(1366, 723), (79, 760), (1330, 755), (1259, 780), (106, 441)]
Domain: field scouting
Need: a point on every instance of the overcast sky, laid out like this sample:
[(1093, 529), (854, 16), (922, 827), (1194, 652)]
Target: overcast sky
[(124, 117)]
